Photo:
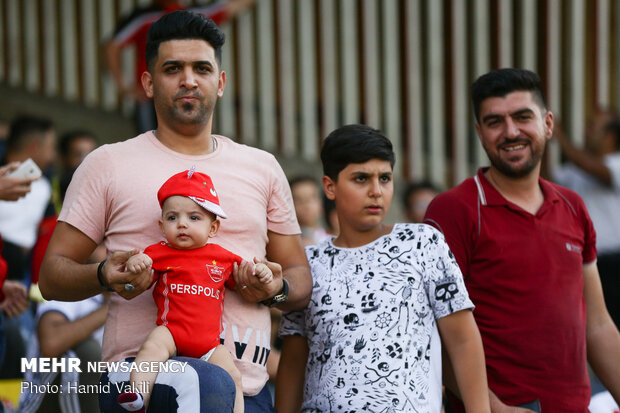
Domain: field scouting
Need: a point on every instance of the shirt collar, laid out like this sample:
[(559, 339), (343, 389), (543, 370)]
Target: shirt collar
[(489, 196)]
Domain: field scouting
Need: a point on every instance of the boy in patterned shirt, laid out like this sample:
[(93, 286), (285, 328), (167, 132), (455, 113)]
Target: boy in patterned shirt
[(383, 296), (190, 276)]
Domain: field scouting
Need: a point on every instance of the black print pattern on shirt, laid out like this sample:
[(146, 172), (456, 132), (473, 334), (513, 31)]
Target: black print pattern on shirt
[(371, 322)]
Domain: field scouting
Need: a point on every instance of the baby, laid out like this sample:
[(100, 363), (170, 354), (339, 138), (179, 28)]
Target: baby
[(190, 275)]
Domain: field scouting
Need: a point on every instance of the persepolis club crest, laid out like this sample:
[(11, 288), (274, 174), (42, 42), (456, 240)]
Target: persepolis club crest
[(215, 272)]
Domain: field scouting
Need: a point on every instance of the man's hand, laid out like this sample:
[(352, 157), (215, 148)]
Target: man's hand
[(115, 275), (497, 406), (11, 189), (250, 286), (16, 300)]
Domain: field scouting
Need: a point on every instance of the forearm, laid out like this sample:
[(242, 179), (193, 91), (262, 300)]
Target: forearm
[(64, 279), (470, 375), (463, 344), (604, 356), (299, 280), (291, 374), (113, 52), (594, 165), (56, 338)]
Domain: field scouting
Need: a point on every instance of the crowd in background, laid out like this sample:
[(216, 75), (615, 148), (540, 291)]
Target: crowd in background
[(33, 327), (27, 223)]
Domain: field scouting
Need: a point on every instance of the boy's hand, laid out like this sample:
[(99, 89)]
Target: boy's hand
[(138, 263)]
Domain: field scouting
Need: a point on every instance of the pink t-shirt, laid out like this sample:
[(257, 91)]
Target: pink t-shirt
[(113, 198)]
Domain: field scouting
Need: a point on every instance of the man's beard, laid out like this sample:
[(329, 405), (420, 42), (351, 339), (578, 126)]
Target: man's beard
[(507, 169), (186, 113)]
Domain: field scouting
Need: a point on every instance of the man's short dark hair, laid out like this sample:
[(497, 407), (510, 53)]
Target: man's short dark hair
[(182, 25), (354, 144), (501, 82), (24, 129)]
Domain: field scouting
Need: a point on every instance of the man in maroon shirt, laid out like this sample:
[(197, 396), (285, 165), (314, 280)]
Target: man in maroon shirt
[(526, 248)]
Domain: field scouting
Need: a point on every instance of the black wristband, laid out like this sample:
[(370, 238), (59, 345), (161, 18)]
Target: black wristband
[(100, 276), (279, 298)]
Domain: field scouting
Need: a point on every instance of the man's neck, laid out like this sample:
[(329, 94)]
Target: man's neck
[(188, 141), (524, 192)]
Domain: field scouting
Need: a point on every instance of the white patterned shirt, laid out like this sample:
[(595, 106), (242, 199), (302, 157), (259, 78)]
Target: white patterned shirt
[(370, 325)]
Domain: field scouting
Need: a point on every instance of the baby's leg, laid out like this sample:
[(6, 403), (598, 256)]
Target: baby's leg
[(158, 346), (222, 357)]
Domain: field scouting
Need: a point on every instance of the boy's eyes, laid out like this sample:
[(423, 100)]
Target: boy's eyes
[(382, 178), (171, 218), (194, 218)]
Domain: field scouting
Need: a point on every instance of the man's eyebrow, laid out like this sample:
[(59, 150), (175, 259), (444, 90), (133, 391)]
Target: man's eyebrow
[(180, 62), (522, 112), (493, 116)]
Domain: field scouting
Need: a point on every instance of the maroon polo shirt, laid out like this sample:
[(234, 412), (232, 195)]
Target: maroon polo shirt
[(524, 273)]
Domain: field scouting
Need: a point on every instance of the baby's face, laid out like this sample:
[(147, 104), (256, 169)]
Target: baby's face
[(185, 224)]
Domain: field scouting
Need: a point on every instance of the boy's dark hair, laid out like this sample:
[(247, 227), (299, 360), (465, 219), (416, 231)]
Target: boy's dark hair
[(354, 144), (500, 82), (25, 128), (413, 187), (181, 25), (65, 141)]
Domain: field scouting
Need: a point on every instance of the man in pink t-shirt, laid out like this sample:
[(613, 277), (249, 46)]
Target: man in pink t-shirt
[(111, 200), (132, 31), (526, 248)]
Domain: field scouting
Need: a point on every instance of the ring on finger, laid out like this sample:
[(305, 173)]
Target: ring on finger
[(129, 287), (244, 287)]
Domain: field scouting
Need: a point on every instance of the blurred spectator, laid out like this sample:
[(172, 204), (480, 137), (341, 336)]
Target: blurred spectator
[(73, 147), (416, 198), (13, 300), (594, 173), (308, 208), (132, 30), (66, 329), (29, 137)]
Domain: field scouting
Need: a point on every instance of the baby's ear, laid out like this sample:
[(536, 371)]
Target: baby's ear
[(215, 226)]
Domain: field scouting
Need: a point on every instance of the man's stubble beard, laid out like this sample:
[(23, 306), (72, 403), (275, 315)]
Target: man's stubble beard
[(508, 170)]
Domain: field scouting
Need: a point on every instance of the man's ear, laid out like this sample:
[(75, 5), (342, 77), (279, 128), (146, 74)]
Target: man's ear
[(329, 186), (147, 83), (549, 122), (221, 84)]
